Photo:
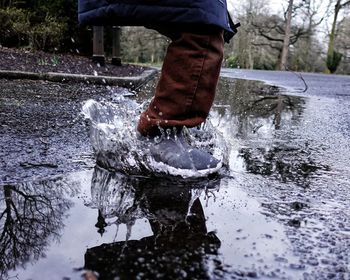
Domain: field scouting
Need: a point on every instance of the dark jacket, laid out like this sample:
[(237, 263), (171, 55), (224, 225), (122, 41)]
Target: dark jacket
[(153, 13)]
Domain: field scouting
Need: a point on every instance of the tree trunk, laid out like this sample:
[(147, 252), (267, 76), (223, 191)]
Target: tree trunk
[(285, 49), (249, 34), (330, 51), (250, 57)]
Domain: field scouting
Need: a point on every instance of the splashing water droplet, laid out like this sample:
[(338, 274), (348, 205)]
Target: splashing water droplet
[(118, 145)]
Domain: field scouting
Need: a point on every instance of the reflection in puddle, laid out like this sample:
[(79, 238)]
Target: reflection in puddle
[(180, 245), (31, 218), (191, 229), (255, 110), (122, 226), (263, 124), (298, 152), (282, 211)]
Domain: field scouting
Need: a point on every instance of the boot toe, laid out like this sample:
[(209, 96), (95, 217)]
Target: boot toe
[(183, 158), (203, 160), (175, 158)]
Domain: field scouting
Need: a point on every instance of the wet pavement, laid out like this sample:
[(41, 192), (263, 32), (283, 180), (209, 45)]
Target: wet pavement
[(41, 130), (280, 211), (306, 84)]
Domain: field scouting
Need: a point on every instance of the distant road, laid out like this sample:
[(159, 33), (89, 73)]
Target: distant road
[(318, 84)]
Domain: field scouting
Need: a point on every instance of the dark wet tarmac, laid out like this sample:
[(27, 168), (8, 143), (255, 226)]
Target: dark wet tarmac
[(296, 83), (41, 130), (280, 211)]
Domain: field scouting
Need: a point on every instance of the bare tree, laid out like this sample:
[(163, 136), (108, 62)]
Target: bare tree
[(141, 45), (279, 33), (307, 54), (334, 57), (250, 11), (272, 33), (245, 50), (286, 39), (343, 44)]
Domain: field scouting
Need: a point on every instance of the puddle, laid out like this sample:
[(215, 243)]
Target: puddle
[(138, 227), (281, 211)]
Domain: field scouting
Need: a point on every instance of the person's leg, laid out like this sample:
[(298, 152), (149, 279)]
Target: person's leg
[(186, 88)]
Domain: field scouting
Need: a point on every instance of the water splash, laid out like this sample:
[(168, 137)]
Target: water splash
[(118, 145)]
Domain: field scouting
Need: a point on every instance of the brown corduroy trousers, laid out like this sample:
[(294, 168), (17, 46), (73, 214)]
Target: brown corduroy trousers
[(186, 89)]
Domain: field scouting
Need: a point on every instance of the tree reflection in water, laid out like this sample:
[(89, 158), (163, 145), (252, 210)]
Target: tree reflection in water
[(264, 122), (180, 246), (31, 216), (254, 109)]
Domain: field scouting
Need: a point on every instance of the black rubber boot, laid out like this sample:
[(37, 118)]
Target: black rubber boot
[(174, 150)]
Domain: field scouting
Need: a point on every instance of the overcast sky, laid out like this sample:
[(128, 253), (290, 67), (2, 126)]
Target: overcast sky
[(276, 5)]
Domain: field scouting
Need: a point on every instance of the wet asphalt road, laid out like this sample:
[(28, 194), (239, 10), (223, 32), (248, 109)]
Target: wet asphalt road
[(282, 213), (319, 87), (318, 84), (41, 130)]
